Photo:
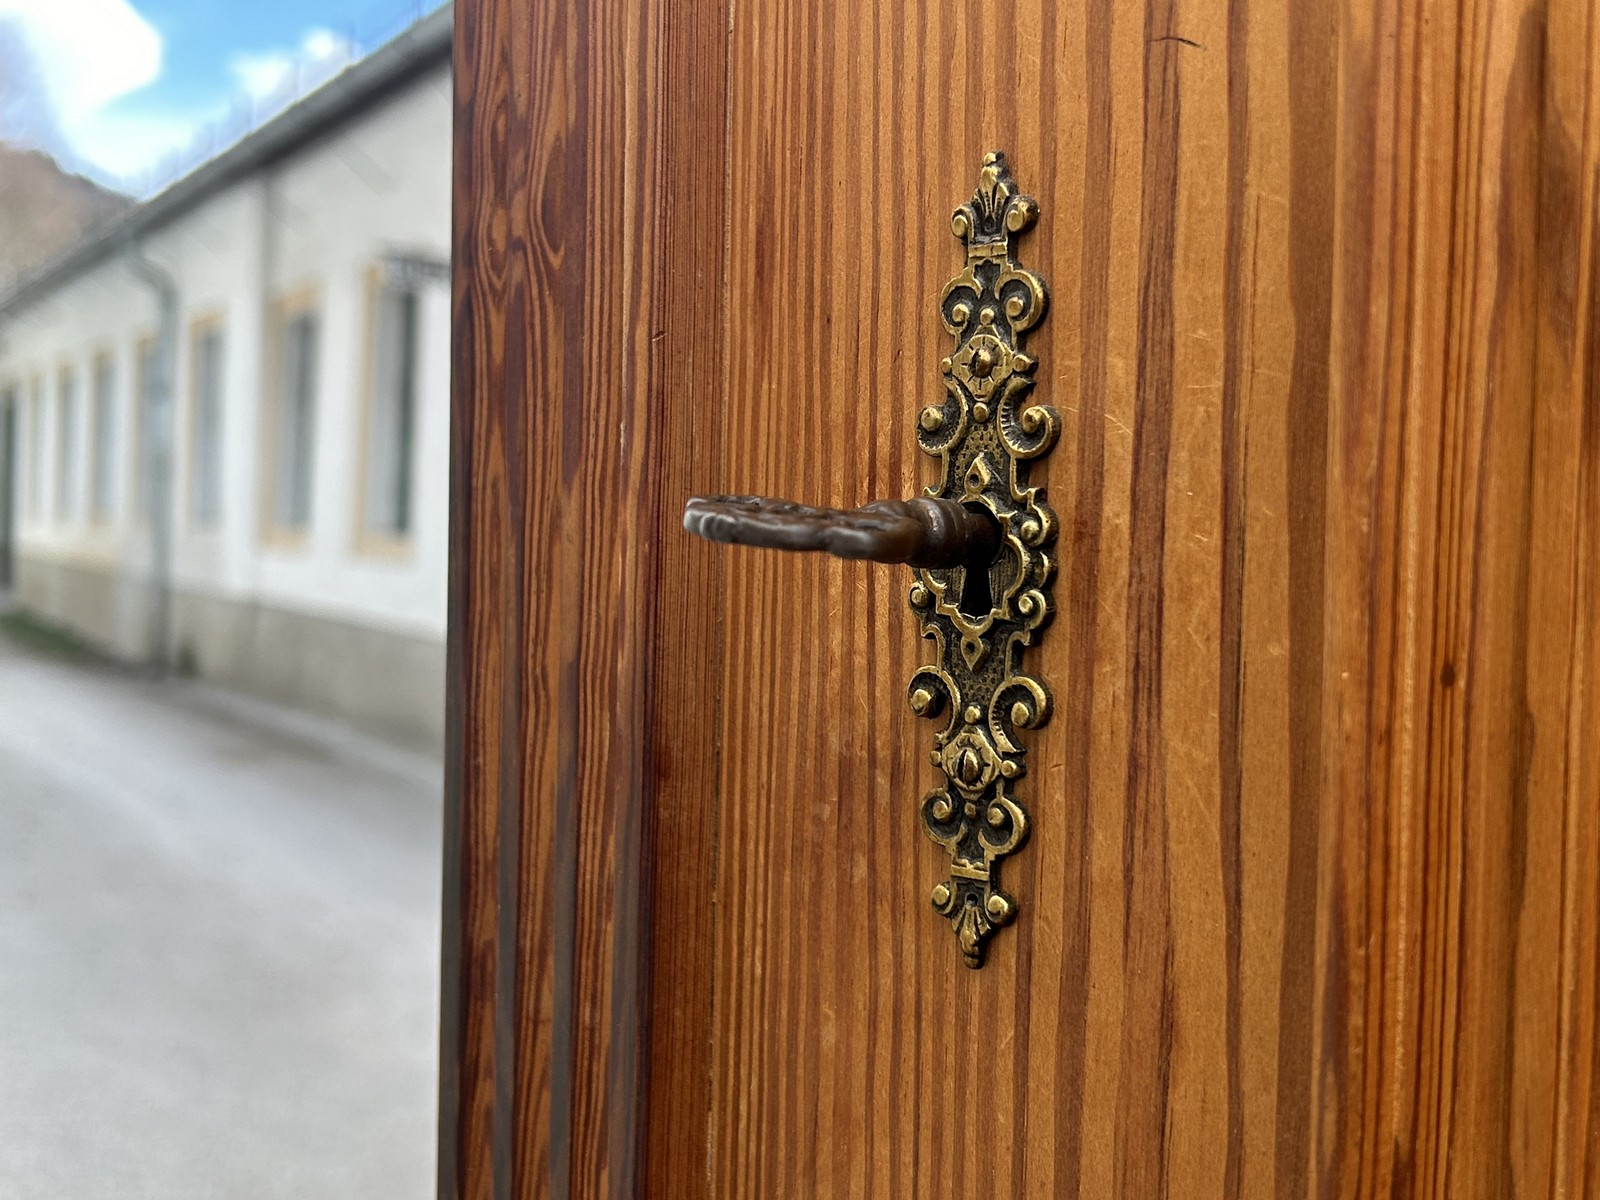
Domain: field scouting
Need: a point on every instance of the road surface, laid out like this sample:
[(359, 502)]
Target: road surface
[(219, 946)]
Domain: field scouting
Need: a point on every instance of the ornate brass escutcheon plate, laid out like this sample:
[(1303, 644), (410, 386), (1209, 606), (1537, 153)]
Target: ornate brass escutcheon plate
[(980, 617), (980, 542)]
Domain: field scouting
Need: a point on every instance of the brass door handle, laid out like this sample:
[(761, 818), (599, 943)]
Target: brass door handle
[(926, 532), (981, 544)]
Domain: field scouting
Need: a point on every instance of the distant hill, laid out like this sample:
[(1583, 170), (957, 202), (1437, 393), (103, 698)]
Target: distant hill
[(44, 210)]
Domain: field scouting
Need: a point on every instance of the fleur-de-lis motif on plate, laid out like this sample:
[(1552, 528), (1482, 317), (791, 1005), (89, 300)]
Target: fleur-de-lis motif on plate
[(985, 437)]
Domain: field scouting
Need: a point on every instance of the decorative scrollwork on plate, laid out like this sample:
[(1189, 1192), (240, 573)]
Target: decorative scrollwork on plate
[(982, 614)]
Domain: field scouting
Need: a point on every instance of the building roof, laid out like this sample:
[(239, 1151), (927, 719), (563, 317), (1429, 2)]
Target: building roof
[(346, 96)]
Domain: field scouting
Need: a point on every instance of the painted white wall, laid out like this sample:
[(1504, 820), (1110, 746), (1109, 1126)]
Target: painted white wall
[(321, 219)]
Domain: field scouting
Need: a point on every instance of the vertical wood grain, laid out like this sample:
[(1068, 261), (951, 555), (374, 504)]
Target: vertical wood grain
[(576, 774), (1556, 1057), (1426, 1019), (676, 861), (1311, 904), (1143, 1023), (482, 761)]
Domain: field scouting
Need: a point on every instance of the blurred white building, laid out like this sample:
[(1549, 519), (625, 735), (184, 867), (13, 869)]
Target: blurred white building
[(282, 525)]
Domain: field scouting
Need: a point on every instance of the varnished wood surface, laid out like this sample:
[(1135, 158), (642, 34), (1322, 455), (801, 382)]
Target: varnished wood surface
[(1130, 1031), (566, 403), (1311, 905), (1461, 739)]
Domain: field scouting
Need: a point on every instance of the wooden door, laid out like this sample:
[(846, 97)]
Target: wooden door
[(1310, 902)]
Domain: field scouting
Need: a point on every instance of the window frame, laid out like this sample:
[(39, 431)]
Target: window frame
[(67, 478), (211, 321), (11, 396), (145, 345), (104, 355), (369, 542), (37, 492), (289, 305)]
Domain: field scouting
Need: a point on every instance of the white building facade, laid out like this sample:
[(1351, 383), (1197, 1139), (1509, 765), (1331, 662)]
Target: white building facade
[(296, 535)]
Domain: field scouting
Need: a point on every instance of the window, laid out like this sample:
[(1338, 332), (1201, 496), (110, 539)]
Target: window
[(103, 431), (66, 444), (389, 503), (147, 378), (10, 402), (206, 348), (36, 449), (296, 416)]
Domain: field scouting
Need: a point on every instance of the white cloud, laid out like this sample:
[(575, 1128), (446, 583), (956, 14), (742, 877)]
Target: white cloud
[(324, 46), (84, 55), (321, 53), (124, 147), (260, 75), (88, 54)]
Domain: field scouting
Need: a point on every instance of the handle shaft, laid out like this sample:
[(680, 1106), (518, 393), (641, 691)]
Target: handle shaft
[(925, 532)]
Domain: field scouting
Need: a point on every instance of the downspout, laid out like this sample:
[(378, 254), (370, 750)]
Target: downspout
[(157, 454)]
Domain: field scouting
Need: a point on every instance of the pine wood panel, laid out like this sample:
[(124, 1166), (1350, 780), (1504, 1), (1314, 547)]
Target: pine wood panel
[(1311, 906), (1131, 1026), (1456, 1010), (576, 760), (1556, 1150), (1421, 1015)]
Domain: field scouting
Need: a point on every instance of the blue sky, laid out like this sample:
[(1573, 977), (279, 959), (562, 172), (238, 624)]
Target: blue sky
[(126, 83)]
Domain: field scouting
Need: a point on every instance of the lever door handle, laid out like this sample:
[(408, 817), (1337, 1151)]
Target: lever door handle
[(981, 544), (926, 532)]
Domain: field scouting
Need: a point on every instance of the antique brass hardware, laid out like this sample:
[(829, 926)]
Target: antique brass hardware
[(925, 532), (981, 543)]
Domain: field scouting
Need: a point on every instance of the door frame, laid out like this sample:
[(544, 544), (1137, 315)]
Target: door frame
[(580, 777)]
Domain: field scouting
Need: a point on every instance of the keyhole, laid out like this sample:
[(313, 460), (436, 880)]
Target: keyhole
[(977, 592)]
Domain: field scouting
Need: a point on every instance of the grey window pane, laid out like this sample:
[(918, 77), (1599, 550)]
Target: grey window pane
[(392, 424), (149, 369), (208, 426), (36, 449), (296, 416), (104, 434), (66, 446)]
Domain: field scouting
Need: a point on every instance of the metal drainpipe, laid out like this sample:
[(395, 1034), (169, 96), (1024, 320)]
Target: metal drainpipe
[(157, 452)]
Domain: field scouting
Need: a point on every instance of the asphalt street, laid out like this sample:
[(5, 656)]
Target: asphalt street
[(219, 946)]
